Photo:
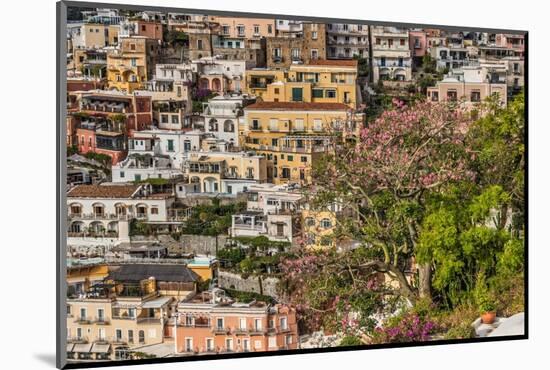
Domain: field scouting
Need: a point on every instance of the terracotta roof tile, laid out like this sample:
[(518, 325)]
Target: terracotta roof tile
[(296, 106), (334, 62), (102, 191)]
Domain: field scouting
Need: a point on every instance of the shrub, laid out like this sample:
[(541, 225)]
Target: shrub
[(407, 327)]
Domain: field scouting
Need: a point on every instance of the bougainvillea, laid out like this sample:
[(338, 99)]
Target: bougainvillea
[(409, 327)]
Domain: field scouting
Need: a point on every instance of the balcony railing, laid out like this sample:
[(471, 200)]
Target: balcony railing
[(241, 331), (77, 339), (99, 216), (83, 320), (148, 320), (221, 330), (101, 321), (257, 331)]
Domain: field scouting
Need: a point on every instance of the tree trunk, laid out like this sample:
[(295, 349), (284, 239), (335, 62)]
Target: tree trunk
[(425, 281)]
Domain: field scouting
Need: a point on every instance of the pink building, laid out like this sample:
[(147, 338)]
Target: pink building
[(418, 43)]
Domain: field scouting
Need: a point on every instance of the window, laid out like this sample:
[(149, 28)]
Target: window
[(317, 125), (390, 42), (132, 313), (276, 90), (475, 96), (377, 41), (283, 323), (255, 124), (435, 96), (273, 124), (82, 314), (170, 145), (130, 336), (285, 173), (246, 345), (451, 95), (79, 332), (242, 323), (299, 124), (240, 30), (229, 344), (269, 28), (317, 93), (296, 94), (118, 334), (134, 62), (330, 94), (163, 118), (225, 30), (141, 336), (154, 210), (288, 340), (137, 177), (175, 119), (199, 44), (402, 42), (101, 334), (219, 323), (290, 158), (188, 344), (314, 35), (143, 28), (295, 53), (256, 29), (132, 47), (122, 174), (325, 223), (274, 142), (258, 324), (100, 315), (310, 221), (314, 54), (303, 159)]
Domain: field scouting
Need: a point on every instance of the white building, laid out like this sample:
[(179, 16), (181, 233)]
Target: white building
[(272, 211), (391, 54), (222, 115), (344, 41), (105, 211)]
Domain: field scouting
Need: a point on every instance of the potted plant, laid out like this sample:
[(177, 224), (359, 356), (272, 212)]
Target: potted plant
[(487, 311)]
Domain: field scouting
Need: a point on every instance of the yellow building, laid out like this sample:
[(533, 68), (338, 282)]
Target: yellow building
[(96, 36), (131, 65), (320, 81), (292, 135), (225, 172), (318, 228)]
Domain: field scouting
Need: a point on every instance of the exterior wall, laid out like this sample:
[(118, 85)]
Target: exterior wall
[(344, 41), (464, 91), (418, 43), (315, 232), (303, 46), (255, 331), (104, 331), (265, 27), (130, 66), (152, 30), (200, 45), (311, 78), (391, 54)]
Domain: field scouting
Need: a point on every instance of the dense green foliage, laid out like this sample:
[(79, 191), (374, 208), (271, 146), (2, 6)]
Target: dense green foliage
[(211, 219)]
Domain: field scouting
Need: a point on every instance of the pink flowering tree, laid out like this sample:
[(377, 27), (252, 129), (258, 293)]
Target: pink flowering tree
[(406, 154)]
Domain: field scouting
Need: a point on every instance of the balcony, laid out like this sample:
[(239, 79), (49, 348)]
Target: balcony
[(148, 320), (221, 330), (77, 339), (98, 216), (258, 85), (101, 321), (241, 331), (83, 320), (277, 59), (257, 331)]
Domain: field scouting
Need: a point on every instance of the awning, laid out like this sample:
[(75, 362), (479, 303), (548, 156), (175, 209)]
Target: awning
[(82, 347), (100, 348), (70, 347), (157, 303)]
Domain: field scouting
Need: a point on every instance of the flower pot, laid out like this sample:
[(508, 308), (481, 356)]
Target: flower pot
[(488, 317)]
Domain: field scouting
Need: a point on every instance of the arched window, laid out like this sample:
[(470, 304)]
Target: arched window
[(326, 223)]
